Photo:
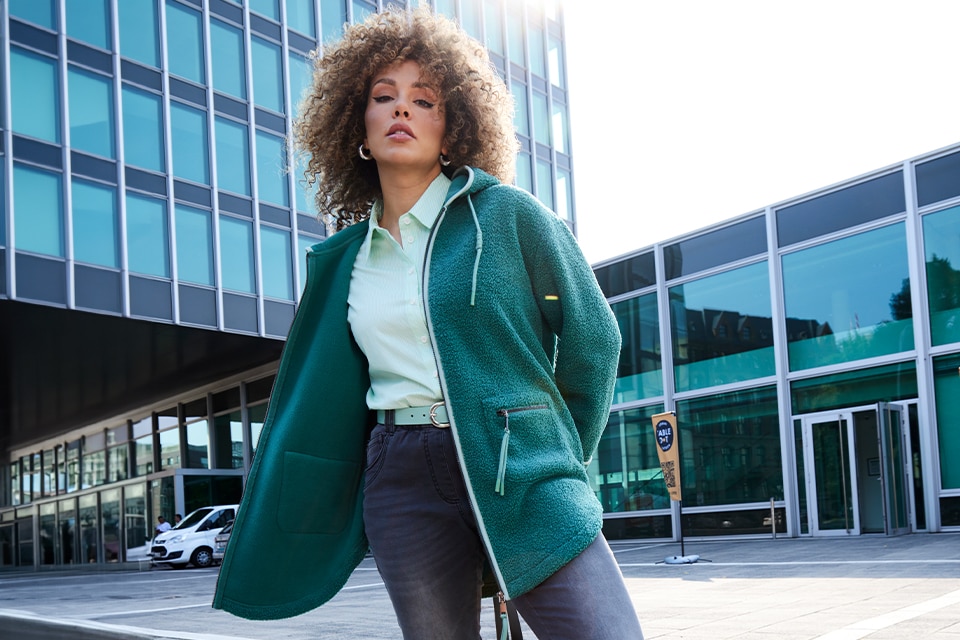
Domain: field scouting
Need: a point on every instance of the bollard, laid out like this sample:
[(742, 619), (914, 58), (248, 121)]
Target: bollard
[(773, 519)]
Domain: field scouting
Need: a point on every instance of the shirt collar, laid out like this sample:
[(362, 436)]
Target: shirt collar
[(425, 211)]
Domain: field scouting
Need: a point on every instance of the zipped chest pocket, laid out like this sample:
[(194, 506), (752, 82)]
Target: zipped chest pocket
[(500, 486)]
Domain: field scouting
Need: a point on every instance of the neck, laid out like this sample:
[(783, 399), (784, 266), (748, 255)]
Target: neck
[(400, 192)]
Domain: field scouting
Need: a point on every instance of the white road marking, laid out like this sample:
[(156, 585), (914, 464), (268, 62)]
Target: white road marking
[(870, 625)]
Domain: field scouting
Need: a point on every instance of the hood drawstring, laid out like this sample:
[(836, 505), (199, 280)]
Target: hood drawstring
[(479, 250)]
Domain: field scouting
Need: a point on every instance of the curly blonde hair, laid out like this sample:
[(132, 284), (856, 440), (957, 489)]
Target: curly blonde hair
[(476, 104)]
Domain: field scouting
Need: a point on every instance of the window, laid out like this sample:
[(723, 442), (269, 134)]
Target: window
[(89, 21), (541, 119), (185, 42), (361, 10), (627, 275), (493, 33), (559, 125), (142, 129), (38, 210), (938, 179), (303, 246), (276, 263), (639, 373), (946, 384), (941, 242), (271, 170), (849, 207), (333, 15), (848, 299), (194, 245), (236, 254), (712, 429), (139, 31), (564, 194), (300, 16), (170, 449), (189, 139), (555, 59), (545, 184), (625, 471), (715, 248), (34, 95), (91, 113), (267, 74), (148, 243), (269, 8), (41, 12), (233, 156), (470, 18), (301, 77), (229, 68), (515, 38), (538, 65), (524, 178), (521, 112), (228, 440), (706, 321), (95, 227)]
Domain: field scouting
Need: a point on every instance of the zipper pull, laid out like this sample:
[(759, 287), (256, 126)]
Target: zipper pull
[(500, 487), (504, 622)]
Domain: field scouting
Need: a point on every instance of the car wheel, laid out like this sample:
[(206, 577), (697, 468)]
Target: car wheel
[(202, 557)]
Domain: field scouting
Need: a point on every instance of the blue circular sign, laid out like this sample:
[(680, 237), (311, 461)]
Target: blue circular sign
[(664, 435)]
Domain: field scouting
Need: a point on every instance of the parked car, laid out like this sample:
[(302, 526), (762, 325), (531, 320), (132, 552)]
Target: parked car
[(220, 542), (192, 541)]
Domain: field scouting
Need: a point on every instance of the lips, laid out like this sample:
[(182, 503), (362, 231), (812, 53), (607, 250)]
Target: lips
[(400, 128)]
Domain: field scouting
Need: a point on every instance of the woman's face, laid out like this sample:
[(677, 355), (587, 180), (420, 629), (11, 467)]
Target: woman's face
[(404, 120)]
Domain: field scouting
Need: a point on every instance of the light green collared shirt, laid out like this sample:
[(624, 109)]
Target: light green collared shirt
[(385, 306)]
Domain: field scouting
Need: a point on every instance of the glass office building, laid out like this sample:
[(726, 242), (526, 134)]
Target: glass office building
[(153, 240), (811, 353)]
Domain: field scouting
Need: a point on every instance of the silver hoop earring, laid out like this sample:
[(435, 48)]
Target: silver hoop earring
[(444, 160), (365, 154)]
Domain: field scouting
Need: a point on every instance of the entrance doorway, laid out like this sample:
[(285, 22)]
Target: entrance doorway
[(856, 471)]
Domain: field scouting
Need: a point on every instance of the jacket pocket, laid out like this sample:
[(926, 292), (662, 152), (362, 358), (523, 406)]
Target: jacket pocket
[(533, 440), (317, 495)]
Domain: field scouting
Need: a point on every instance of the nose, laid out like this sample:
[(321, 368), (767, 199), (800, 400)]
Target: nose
[(404, 112)]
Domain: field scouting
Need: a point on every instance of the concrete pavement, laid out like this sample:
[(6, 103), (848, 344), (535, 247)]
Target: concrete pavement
[(785, 589)]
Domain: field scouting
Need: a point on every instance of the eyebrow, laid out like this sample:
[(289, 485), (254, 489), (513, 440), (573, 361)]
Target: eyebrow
[(393, 83)]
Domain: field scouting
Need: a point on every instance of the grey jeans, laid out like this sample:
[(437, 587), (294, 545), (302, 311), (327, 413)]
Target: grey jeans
[(424, 538)]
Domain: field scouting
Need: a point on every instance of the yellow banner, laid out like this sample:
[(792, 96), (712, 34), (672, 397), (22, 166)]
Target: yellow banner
[(668, 449)]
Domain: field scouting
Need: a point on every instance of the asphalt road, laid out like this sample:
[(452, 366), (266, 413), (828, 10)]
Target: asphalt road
[(786, 589)]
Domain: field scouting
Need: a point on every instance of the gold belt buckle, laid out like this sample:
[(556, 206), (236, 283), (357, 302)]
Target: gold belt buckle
[(433, 416)]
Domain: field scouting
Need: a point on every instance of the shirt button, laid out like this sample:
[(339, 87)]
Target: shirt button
[(413, 301), (423, 339), (410, 270), (408, 239), (406, 221)]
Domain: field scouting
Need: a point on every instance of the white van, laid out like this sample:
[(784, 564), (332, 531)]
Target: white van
[(191, 541)]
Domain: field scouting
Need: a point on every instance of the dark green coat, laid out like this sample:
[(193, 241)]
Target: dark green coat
[(524, 339)]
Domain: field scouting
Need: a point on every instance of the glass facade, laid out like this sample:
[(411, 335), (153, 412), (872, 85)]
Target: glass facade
[(147, 180), (842, 330)]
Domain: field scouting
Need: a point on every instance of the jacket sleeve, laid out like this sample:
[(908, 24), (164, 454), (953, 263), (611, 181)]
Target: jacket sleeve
[(576, 311)]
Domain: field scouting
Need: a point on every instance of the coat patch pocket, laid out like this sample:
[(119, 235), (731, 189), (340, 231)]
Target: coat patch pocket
[(317, 495), (531, 439)]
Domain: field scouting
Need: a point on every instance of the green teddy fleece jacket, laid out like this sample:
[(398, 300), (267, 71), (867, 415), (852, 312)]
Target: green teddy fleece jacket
[(526, 348)]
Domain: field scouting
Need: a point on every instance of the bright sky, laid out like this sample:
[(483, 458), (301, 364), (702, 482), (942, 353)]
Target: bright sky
[(688, 113)]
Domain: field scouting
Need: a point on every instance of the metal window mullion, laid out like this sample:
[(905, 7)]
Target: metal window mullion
[(926, 390), (252, 164), (170, 202), (66, 192), (212, 149), (666, 360), (121, 199), (289, 162), (788, 452), (7, 168)]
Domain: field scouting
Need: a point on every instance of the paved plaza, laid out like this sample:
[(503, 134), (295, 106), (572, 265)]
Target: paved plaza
[(785, 589)]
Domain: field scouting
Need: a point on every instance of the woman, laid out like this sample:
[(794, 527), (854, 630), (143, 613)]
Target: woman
[(449, 371)]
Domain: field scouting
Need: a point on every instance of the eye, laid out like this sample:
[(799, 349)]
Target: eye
[(426, 104), (381, 99)]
